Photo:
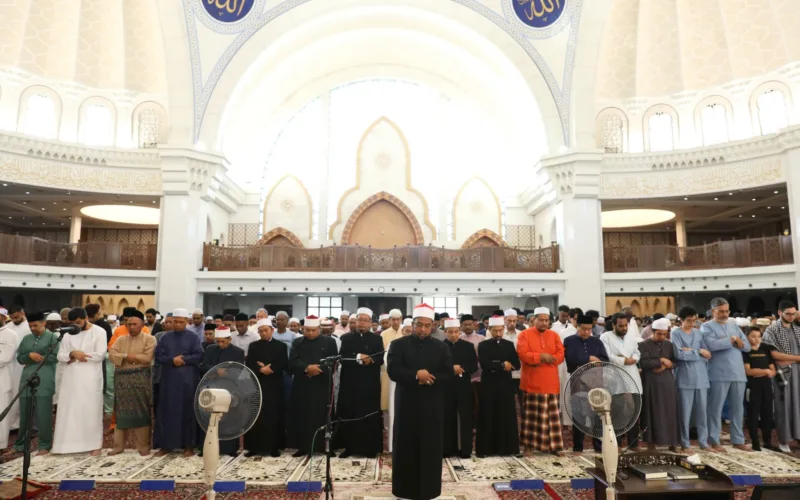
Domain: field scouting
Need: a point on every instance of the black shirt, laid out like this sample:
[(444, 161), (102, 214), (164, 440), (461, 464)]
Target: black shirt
[(759, 358)]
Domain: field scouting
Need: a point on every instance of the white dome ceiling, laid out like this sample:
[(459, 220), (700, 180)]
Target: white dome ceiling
[(653, 48), (105, 44)]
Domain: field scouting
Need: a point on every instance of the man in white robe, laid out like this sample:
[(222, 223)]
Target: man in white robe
[(622, 347), (79, 422), (632, 326), (567, 329), (19, 325), (8, 381)]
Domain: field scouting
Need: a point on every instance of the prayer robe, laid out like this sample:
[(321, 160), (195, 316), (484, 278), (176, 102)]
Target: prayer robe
[(21, 330), (198, 329), (691, 380), (563, 372), (43, 408), (308, 406), (176, 425), (360, 394), (392, 391), (419, 417), (79, 426), (787, 399), (576, 354), (268, 432), (497, 416), (660, 396), (213, 356), (458, 408), (8, 378), (133, 389), (387, 336), (618, 348)]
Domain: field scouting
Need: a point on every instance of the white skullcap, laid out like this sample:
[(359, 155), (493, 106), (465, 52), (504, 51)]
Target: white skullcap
[(763, 322), (209, 319), (263, 322), (53, 317), (742, 322), (539, 310), (222, 332), (511, 312), (364, 310), (424, 311), (671, 317), (111, 317), (452, 323), (407, 322), (3, 311), (395, 313), (326, 322), (383, 317), (731, 319), (181, 313), (345, 313), (601, 321), (197, 311), (661, 324), (497, 321), (294, 320), (312, 321), (158, 316)]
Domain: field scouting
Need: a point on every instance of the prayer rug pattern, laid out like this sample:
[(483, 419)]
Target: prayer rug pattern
[(766, 463), (723, 463), (552, 468), (489, 469), (385, 473), (109, 468), (176, 466), (344, 470), (42, 467), (261, 470)]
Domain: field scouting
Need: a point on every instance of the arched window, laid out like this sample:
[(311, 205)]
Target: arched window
[(611, 132), (149, 127), (98, 126), (715, 124), (40, 116), (772, 114), (659, 128)]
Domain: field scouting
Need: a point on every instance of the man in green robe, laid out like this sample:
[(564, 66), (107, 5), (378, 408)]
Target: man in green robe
[(31, 350)]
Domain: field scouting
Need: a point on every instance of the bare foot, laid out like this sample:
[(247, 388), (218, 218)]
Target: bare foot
[(742, 447), (188, 453), (144, 453), (161, 453), (114, 452), (686, 449), (95, 453), (43, 452), (718, 449)]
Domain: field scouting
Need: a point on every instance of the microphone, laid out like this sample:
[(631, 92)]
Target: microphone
[(330, 359), (69, 330)]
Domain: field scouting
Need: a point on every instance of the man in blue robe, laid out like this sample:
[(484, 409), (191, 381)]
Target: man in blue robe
[(726, 374), (179, 354)]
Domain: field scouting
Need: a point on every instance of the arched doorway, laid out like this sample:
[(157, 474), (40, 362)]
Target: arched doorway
[(484, 238), (382, 221), (280, 236)]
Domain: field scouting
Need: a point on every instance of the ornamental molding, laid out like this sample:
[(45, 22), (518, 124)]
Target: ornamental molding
[(710, 179), (279, 231), (484, 233), (382, 196), (75, 153)]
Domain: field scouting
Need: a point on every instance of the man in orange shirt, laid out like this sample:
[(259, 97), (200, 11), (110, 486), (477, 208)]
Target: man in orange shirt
[(540, 352)]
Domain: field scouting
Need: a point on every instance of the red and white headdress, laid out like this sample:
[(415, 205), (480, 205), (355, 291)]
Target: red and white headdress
[(222, 332), (311, 321), (424, 311)]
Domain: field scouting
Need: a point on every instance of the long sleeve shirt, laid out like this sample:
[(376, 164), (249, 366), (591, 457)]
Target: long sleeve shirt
[(513, 337), (8, 358), (474, 339), (577, 351), (47, 374), (538, 377), (243, 341), (725, 364), (618, 348), (691, 369), (142, 346)]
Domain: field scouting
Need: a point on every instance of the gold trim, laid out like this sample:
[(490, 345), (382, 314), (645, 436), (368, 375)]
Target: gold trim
[(308, 197), (382, 196), (496, 201), (279, 231), (484, 233), (426, 216)]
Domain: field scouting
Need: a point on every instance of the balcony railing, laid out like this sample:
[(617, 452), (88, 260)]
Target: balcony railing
[(102, 255), (767, 251), (365, 259)]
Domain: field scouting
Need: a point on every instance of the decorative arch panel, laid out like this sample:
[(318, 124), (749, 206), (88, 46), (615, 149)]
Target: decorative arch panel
[(279, 236), (484, 236), (373, 200)]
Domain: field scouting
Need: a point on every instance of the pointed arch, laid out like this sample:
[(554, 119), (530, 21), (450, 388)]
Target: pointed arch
[(487, 234), (383, 196), (280, 232), (367, 132), (121, 305), (308, 198), (140, 305), (494, 195)]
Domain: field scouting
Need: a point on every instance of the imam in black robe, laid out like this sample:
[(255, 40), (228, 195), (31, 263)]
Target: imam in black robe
[(659, 394), (360, 395), (267, 434), (497, 416), (213, 356), (310, 396), (458, 407), (419, 416)]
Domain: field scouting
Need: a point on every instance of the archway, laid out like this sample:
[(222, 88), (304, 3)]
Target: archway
[(382, 221), (484, 238), (123, 303), (280, 236), (140, 306)]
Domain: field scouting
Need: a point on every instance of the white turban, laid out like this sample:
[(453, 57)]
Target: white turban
[(424, 311), (53, 317), (345, 313), (763, 322), (662, 324), (364, 310), (671, 317), (3, 311), (209, 319), (312, 321), (222, 332), (407, 322), (496, 321), (383, 317), (539, 310), (263, 322), (742, 322), (181, 313), (452, 323), (197, 311), (510, 312), (395, 313), (326, 322), (601, 321), (111, 317), (158, 317), (294, 320)]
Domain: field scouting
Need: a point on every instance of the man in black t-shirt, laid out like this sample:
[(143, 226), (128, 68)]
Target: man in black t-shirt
[(760, 369)]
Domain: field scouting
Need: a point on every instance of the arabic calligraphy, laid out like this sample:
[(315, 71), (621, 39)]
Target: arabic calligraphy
[(538, 13), (228, 11)]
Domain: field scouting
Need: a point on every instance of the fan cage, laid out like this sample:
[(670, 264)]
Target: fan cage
[(245, 392)]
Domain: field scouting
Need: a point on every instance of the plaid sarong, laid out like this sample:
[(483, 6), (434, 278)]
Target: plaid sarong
[(132, 395), (541, 423)]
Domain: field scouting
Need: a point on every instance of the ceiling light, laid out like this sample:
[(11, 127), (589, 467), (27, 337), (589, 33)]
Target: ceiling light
[(783, 208), (154, 201), (123, 213), (131, 202), (730, 194), (776, 191), (9, 217), (80, 201), (62, 223), (740, 215), (685, 197), (753, 215), (55, 203), (5, 185), (769, 208), (24, 202), (27, 192), (43, 210), (64, 209), (754, 199), (635, 217), (716, 199)]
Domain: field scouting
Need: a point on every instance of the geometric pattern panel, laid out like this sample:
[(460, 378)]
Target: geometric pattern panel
[(111, 468), (242, 233), (347, 470), (42, 466), (176, 466), (386, 470), (489, 469), (521, 236), (552, 468), (261, 470)]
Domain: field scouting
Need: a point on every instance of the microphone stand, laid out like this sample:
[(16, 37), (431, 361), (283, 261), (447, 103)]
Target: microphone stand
[(32, 383), (331, 364)]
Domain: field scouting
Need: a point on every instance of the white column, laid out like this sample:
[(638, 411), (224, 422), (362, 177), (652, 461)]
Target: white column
[(680, 230), (180, 251), (791, 168), (75, 227)]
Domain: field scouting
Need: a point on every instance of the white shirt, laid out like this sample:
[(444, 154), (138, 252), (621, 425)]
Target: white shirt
[(243, 341), (633, 327), (620, 348), (8, 358), (558, 326), (512, 336)]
